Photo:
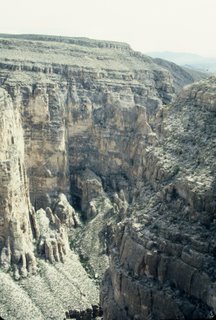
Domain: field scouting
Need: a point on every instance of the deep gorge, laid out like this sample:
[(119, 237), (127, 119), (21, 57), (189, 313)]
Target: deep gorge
[(107, 182)]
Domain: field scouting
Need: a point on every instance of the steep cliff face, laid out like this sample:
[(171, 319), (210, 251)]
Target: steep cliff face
[(15, 232), (27, 237), (97, 131), (78, 99), (162, 257)]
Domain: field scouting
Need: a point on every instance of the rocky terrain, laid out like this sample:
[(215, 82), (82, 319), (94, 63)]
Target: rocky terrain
[(162, 257), (107, 175)]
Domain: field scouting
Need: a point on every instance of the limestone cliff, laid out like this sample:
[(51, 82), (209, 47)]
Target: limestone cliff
[(86, 124), (27, 237), (162, 256), (15, 231), (76, 93)]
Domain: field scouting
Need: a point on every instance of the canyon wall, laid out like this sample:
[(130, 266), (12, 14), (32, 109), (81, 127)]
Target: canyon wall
[(30, 240), (92, 125), (162, 257), (15, 232)]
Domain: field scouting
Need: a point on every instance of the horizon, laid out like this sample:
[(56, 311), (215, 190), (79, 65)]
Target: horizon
[(147, 26)]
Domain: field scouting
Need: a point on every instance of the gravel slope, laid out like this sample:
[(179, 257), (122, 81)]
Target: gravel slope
[(54, 290)]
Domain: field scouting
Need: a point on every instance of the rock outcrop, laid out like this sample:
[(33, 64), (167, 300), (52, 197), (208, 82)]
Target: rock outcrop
[(162, 257), (87, 127), (20, 225), (95, 312), (16, 247)]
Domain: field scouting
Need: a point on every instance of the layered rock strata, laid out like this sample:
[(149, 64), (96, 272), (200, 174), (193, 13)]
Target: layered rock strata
[(96, 131), (16, 247), (162, 257)]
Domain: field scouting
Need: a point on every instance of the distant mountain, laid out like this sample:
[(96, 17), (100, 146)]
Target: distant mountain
[(189, 60)]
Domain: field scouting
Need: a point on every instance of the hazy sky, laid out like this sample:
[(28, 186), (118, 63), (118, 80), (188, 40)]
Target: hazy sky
[(147, 25)]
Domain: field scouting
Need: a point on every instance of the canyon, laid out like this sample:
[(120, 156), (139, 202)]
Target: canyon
[(107, 182)]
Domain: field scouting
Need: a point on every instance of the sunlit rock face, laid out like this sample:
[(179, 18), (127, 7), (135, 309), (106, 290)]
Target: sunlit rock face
[(91, 126), (82, 102), (15, 231)]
